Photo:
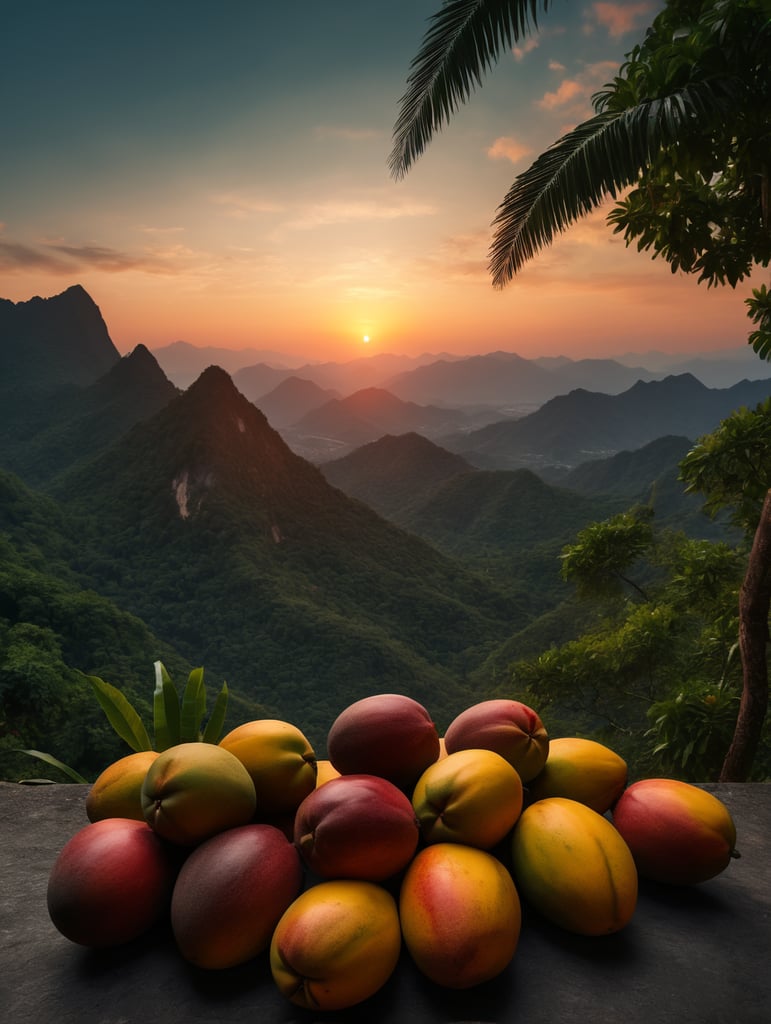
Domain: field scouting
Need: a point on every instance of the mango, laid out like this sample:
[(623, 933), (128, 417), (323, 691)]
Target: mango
[(460, 915), (230, 894), (110, 883), (582, 770), (325, 771), (572, 866), (336, 945), (678, 833), (280, 761), (356, 826), (471, 796), (387, 734), (508, 727), (194, 790), (117, 791)]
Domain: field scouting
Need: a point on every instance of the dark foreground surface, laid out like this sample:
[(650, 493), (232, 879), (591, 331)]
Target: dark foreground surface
[(698, 955)]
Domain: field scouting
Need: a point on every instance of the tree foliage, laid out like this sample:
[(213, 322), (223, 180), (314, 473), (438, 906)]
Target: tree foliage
[(685, 126)]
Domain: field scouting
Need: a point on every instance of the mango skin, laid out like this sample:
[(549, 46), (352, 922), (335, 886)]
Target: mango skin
[(356, 826), (325, 771), (230, 894), (194, 790), (280, 761), (336, 945), (117, 791), (572, 866), (471, 796), (460, 915), (387, 734), (678, 833), (508, 727), (111, 882), (582, 770)]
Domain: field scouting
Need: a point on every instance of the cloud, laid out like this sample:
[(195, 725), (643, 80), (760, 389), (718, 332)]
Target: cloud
[(620, 18), (572, 98), (554, 65), (61, 259), (507, 148), (520, 52), (568, 90)]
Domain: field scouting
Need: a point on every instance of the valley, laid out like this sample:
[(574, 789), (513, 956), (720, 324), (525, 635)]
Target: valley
[(308, 543)]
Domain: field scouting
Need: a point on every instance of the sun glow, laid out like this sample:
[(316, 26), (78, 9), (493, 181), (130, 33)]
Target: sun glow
[(365, 339)]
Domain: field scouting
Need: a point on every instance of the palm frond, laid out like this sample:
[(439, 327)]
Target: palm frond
[(589, 164), (464, 41)]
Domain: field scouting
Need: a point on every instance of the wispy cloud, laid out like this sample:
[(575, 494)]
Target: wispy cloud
[(572, 98), (520, 52), (507, 148), (59, 258), (620, 18)]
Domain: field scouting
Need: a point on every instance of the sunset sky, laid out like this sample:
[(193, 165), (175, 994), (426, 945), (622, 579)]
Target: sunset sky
[(217, 173)]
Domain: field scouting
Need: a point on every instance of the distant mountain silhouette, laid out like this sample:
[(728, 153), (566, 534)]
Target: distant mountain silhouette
[(394, 473), (292, 399), (342, 424), (507, 380), (584, 425), (183, 363), (47, 343), (235, 549)]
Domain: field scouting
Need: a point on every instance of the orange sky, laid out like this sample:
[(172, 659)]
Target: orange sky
[(224, 182)]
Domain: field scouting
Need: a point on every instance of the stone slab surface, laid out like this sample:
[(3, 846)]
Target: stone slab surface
[(699, 955)]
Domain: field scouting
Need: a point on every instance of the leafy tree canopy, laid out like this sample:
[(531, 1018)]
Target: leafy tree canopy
[(685, 127)]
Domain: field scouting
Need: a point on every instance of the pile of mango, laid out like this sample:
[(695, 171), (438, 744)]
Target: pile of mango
[(397, 839)]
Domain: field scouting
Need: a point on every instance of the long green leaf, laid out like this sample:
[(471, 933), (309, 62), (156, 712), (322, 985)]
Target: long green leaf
[(50, 759), (165, 710), (121, 714), (462, 43), (217, 719), (193, 707), (587, 165)]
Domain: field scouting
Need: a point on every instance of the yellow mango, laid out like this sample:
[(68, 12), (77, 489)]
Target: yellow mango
[(460, 914), (117, 791), (280, 761), (571, 865), (471, 796), (582, 770), (336, 944)]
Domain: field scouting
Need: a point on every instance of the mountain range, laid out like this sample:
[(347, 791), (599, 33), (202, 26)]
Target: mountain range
[(136, 516)]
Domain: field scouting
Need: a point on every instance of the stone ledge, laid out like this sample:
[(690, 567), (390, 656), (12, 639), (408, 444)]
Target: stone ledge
[(690, 956)]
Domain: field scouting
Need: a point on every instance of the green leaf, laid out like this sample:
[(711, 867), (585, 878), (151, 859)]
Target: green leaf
[(217, 719), (165, 709), (121, 714), (50, 759), (193, 707)]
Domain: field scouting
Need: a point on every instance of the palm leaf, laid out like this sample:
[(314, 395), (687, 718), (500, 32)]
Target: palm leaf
[(193, 707), (50, 759), (463, 42), (217, 718), (165, 710), (121, 714), (589, 164)]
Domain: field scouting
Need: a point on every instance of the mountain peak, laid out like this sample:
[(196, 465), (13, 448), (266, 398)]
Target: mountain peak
[(47, 343)]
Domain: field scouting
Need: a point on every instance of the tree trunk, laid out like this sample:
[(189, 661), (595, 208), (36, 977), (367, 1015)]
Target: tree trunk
[(754, 604)]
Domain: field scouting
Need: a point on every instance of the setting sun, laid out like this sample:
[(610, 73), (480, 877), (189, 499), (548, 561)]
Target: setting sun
[(365, 339)]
